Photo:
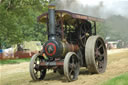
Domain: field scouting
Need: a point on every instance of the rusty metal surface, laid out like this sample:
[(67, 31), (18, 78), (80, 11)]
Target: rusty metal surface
[(72, 48), (1, 55), (21, 54), (67, 14), (53, 63), (16, 55), (69, 48)]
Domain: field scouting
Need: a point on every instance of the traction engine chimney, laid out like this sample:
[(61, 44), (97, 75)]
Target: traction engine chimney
[(51, 15)]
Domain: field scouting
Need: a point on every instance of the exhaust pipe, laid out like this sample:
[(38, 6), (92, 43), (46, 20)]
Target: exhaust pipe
[(51, 15)]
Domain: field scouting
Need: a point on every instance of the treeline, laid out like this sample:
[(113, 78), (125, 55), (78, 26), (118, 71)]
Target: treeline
[(18, 21), (115, 27)]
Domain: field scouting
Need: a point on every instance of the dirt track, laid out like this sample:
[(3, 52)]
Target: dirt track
[(18, 74)]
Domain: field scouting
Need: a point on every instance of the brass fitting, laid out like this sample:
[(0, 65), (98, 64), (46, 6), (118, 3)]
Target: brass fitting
[(51, 7)]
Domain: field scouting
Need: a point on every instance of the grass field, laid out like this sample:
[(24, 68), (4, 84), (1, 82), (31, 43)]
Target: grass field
[(14, 61), (119, 80)]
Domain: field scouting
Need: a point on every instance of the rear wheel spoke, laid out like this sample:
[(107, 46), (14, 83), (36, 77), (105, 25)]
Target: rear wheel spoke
[(100, 46), (70, 72)]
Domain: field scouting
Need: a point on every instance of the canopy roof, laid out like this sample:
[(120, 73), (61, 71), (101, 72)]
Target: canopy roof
[(66, 15)]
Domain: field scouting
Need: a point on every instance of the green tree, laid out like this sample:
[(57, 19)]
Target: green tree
[(18, 21)]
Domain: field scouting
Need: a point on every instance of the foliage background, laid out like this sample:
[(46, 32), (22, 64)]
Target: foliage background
[(18, 23)]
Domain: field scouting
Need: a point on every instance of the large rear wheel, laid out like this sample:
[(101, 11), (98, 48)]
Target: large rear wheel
[(71, 66), (36, 72), (96, 54)]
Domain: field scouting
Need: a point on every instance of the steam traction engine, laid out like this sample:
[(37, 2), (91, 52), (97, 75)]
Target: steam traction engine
[(72, 43)]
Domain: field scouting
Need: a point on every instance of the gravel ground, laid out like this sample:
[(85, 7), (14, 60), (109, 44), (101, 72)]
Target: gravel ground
[(18, 74)]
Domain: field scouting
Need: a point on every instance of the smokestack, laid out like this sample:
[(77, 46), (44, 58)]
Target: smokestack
[(51, 15)]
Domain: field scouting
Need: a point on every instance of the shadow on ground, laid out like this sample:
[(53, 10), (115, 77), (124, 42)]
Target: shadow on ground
[(57, 77)]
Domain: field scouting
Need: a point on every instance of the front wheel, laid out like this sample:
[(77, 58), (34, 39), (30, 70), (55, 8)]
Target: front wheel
[(36, 72), (71, 66)]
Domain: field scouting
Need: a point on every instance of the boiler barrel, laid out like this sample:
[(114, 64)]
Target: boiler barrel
[(54, 48)]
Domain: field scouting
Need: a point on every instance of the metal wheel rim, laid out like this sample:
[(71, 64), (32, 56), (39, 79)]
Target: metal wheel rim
[(36, 72), (92, 56), (71, 66)]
